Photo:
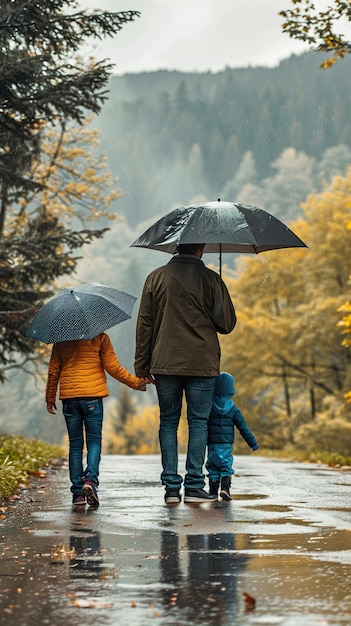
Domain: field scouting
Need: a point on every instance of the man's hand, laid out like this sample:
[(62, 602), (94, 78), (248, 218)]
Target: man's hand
[(149, 379), (51, 407)]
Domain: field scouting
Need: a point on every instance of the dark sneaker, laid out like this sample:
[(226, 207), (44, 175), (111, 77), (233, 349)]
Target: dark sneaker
[(198, 495), (78, 499), (225, 494), (91, 493), (225, 488), (172, 496)]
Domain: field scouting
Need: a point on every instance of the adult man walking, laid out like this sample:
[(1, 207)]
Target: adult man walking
[(183, 307)]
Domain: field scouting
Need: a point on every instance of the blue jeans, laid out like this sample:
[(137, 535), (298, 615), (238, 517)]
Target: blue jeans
[(219, 460), (83, 414), (198, 395)]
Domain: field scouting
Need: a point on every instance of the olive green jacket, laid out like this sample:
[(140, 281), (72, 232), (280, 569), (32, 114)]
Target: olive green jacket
[(183, 307)]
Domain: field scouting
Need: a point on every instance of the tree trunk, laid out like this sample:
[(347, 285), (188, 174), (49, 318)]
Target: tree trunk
[(3, 207)]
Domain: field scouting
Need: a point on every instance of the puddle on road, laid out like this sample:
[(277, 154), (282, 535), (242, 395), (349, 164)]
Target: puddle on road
[(182, 579), (249, 496), (287, 520), (202, 578), (276, 508)]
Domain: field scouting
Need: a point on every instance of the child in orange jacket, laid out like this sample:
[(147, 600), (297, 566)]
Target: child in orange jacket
[(79, 367)]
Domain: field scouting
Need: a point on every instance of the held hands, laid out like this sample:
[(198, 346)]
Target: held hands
[(146, 380), (149, 379), (142, 385)]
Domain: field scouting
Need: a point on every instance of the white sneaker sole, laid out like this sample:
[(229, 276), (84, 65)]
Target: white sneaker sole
[(92, 500)]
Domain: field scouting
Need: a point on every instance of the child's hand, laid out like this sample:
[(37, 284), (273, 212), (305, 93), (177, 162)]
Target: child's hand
[(142, 385)]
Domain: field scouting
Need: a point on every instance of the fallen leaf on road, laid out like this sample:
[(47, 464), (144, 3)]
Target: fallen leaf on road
[(250, 602), (40, 473)]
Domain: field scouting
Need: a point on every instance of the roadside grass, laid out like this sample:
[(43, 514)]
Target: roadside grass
[(21, 458), (333, 459)]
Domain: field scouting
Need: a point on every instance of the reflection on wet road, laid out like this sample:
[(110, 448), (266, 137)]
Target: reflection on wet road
[(285, 540)]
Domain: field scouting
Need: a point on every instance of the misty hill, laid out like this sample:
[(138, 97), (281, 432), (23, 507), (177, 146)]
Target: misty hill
[(174, 137)]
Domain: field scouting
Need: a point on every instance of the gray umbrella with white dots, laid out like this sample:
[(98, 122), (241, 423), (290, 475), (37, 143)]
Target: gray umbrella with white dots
[(81, 312)]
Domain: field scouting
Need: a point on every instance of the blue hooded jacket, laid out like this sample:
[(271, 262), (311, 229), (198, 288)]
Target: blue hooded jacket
[(225, 415)]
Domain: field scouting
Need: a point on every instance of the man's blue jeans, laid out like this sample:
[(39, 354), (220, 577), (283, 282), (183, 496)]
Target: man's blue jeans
[(198, 394), (83, 414)]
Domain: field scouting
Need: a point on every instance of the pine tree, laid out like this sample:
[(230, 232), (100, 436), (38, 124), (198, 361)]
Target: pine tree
[(43, 84)]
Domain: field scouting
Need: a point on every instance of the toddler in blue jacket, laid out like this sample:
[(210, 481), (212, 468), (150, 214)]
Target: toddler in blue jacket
[(224, 416)]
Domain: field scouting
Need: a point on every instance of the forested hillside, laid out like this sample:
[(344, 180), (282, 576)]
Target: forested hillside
[(174, 137), (268, 137)]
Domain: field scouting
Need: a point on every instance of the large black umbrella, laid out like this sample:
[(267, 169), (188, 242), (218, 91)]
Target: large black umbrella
[(222, 227), (81, 312)]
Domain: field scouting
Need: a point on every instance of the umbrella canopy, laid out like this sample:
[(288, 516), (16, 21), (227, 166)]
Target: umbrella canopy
[(222, 227), (81, 312)]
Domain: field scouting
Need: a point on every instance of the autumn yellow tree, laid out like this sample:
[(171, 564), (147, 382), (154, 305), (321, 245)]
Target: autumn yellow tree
[(345, 324), (320, 27), (286, 350), (73, 179)]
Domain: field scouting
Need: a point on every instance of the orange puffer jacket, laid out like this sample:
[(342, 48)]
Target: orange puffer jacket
[(79, 367)]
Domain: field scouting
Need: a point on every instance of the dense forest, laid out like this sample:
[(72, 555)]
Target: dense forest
[(278, 138)]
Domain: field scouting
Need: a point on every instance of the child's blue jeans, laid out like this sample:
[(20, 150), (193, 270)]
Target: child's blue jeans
[(219, 460), (83, 414)]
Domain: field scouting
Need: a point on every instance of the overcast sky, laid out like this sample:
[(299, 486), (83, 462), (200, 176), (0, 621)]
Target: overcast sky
[(196, 35)]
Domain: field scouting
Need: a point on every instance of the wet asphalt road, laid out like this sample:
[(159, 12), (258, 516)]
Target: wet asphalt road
[(285, 540)]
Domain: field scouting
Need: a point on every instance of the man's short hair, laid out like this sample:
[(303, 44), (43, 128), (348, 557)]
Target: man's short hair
[(189, 248)]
